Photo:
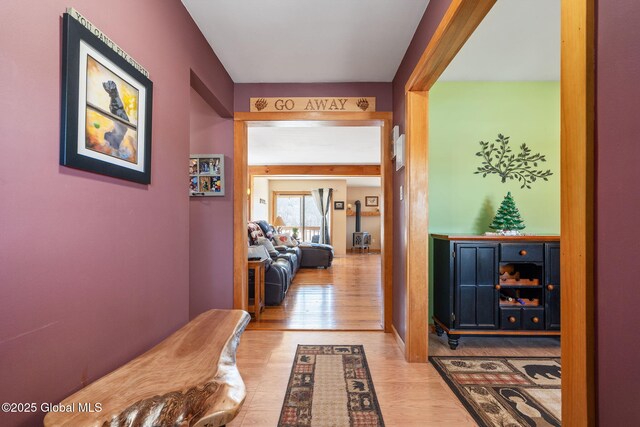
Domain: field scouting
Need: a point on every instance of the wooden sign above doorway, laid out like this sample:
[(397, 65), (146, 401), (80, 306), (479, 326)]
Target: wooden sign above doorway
[(324, 104)]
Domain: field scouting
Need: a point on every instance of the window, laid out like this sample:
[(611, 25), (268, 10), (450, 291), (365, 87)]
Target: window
[(299, 211)]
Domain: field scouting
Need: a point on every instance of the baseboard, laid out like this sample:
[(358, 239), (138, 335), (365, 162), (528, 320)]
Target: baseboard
[(399, 340), (370, 251)]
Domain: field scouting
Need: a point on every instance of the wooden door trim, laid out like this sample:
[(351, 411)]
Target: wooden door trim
[(417, 221), (240, 212), (458, 23), (577, 94), (577, 188), (241, 174), (460, 20), (333, 170)]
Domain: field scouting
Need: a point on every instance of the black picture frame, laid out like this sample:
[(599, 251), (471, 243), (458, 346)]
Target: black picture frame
[(338, 206), (371, 201), (97, 134)]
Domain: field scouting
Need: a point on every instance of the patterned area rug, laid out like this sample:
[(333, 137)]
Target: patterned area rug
[(505, 391), (330, 385)]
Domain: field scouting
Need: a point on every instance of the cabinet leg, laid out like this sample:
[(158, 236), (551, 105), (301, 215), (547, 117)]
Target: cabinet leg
[(454, 340), (439, 330)]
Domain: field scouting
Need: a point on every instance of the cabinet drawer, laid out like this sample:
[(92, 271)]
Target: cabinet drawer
[(521, 252), (510, 318), (533, 318)]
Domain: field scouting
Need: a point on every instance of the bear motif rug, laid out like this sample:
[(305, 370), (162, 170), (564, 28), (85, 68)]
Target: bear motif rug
[(330, 386), (505, 391)]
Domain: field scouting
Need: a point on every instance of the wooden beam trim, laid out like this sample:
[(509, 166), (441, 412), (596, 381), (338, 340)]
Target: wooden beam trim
[(240, 240), (417, 264), (386, 232), (319, 118), (459, 22), (577, 92), (335, 170)]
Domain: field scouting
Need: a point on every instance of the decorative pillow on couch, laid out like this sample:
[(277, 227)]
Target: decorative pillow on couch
[(285, 240), (263, 241), (254, 231), (266, 228)]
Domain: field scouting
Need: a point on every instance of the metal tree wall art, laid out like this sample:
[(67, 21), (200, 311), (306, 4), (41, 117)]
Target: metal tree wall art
[(499, 159)]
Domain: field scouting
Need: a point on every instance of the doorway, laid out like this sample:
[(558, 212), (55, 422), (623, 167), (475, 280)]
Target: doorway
[(577, 177), (502, 87), (243, 186)]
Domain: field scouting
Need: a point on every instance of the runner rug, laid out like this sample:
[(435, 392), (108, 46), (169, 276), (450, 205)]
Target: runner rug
[(330, 385), (505, 391)]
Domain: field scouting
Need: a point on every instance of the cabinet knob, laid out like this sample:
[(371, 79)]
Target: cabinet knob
[(498, 287), (550, 287), (522, 252), (535, 319), (512, 319)]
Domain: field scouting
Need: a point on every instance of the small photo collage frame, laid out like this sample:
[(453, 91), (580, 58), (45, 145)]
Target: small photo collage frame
[(206, 175)]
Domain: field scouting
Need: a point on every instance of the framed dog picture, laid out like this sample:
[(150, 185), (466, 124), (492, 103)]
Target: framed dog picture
[(371, 201), (106, 108)]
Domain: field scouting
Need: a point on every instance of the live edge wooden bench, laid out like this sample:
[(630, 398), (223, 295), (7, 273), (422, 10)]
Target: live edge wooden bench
[(189, 379)]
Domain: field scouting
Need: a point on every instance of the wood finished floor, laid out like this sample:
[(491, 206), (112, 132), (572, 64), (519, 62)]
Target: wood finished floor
[(346, 296), (409, 394), (496, 346)]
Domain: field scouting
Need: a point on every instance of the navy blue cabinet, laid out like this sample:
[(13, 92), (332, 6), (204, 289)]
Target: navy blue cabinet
[(475, 296), (496, 285), (552, 285)]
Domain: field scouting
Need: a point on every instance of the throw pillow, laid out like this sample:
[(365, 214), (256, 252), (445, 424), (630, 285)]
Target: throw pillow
[(254, 232), (285, 240), (266, 228), (263, 241)]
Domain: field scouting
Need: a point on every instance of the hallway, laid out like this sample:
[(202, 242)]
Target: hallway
[(410, 394), (346, 296)]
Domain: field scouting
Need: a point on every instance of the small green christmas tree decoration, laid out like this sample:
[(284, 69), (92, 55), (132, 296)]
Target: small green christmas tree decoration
[(507, 219)]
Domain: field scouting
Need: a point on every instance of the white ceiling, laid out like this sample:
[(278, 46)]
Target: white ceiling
[(352, 181), (314, 145), (517, 40), (308, 40)]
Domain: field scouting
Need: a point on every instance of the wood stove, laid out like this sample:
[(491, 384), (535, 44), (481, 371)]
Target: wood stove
[(361, 239)]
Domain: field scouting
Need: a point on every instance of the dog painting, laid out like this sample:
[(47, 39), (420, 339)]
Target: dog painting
[(107, 102), (111, 113)]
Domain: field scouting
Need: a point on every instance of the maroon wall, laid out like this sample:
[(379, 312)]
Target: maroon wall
[(245, 91), (430, 20), (210, 218), (93, 270), (617, 206)]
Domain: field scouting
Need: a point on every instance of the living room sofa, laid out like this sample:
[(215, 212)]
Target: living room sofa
[(284, 261), (311, 255), (277, 276)]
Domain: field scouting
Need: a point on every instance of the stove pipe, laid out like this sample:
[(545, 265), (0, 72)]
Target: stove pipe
[(357, 216)]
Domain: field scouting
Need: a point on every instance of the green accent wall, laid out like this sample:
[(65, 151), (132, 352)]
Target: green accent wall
[(463, 113)]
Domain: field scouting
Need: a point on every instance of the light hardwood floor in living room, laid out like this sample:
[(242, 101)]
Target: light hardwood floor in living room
[(346, 296)]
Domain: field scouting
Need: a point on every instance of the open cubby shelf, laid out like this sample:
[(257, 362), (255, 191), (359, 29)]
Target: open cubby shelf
[(521, 282), (535, 302)]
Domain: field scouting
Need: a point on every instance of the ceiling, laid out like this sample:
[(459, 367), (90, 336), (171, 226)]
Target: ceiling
[(517, 40), (308, 40), (314, 145), (352, 181), (288, 41)]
